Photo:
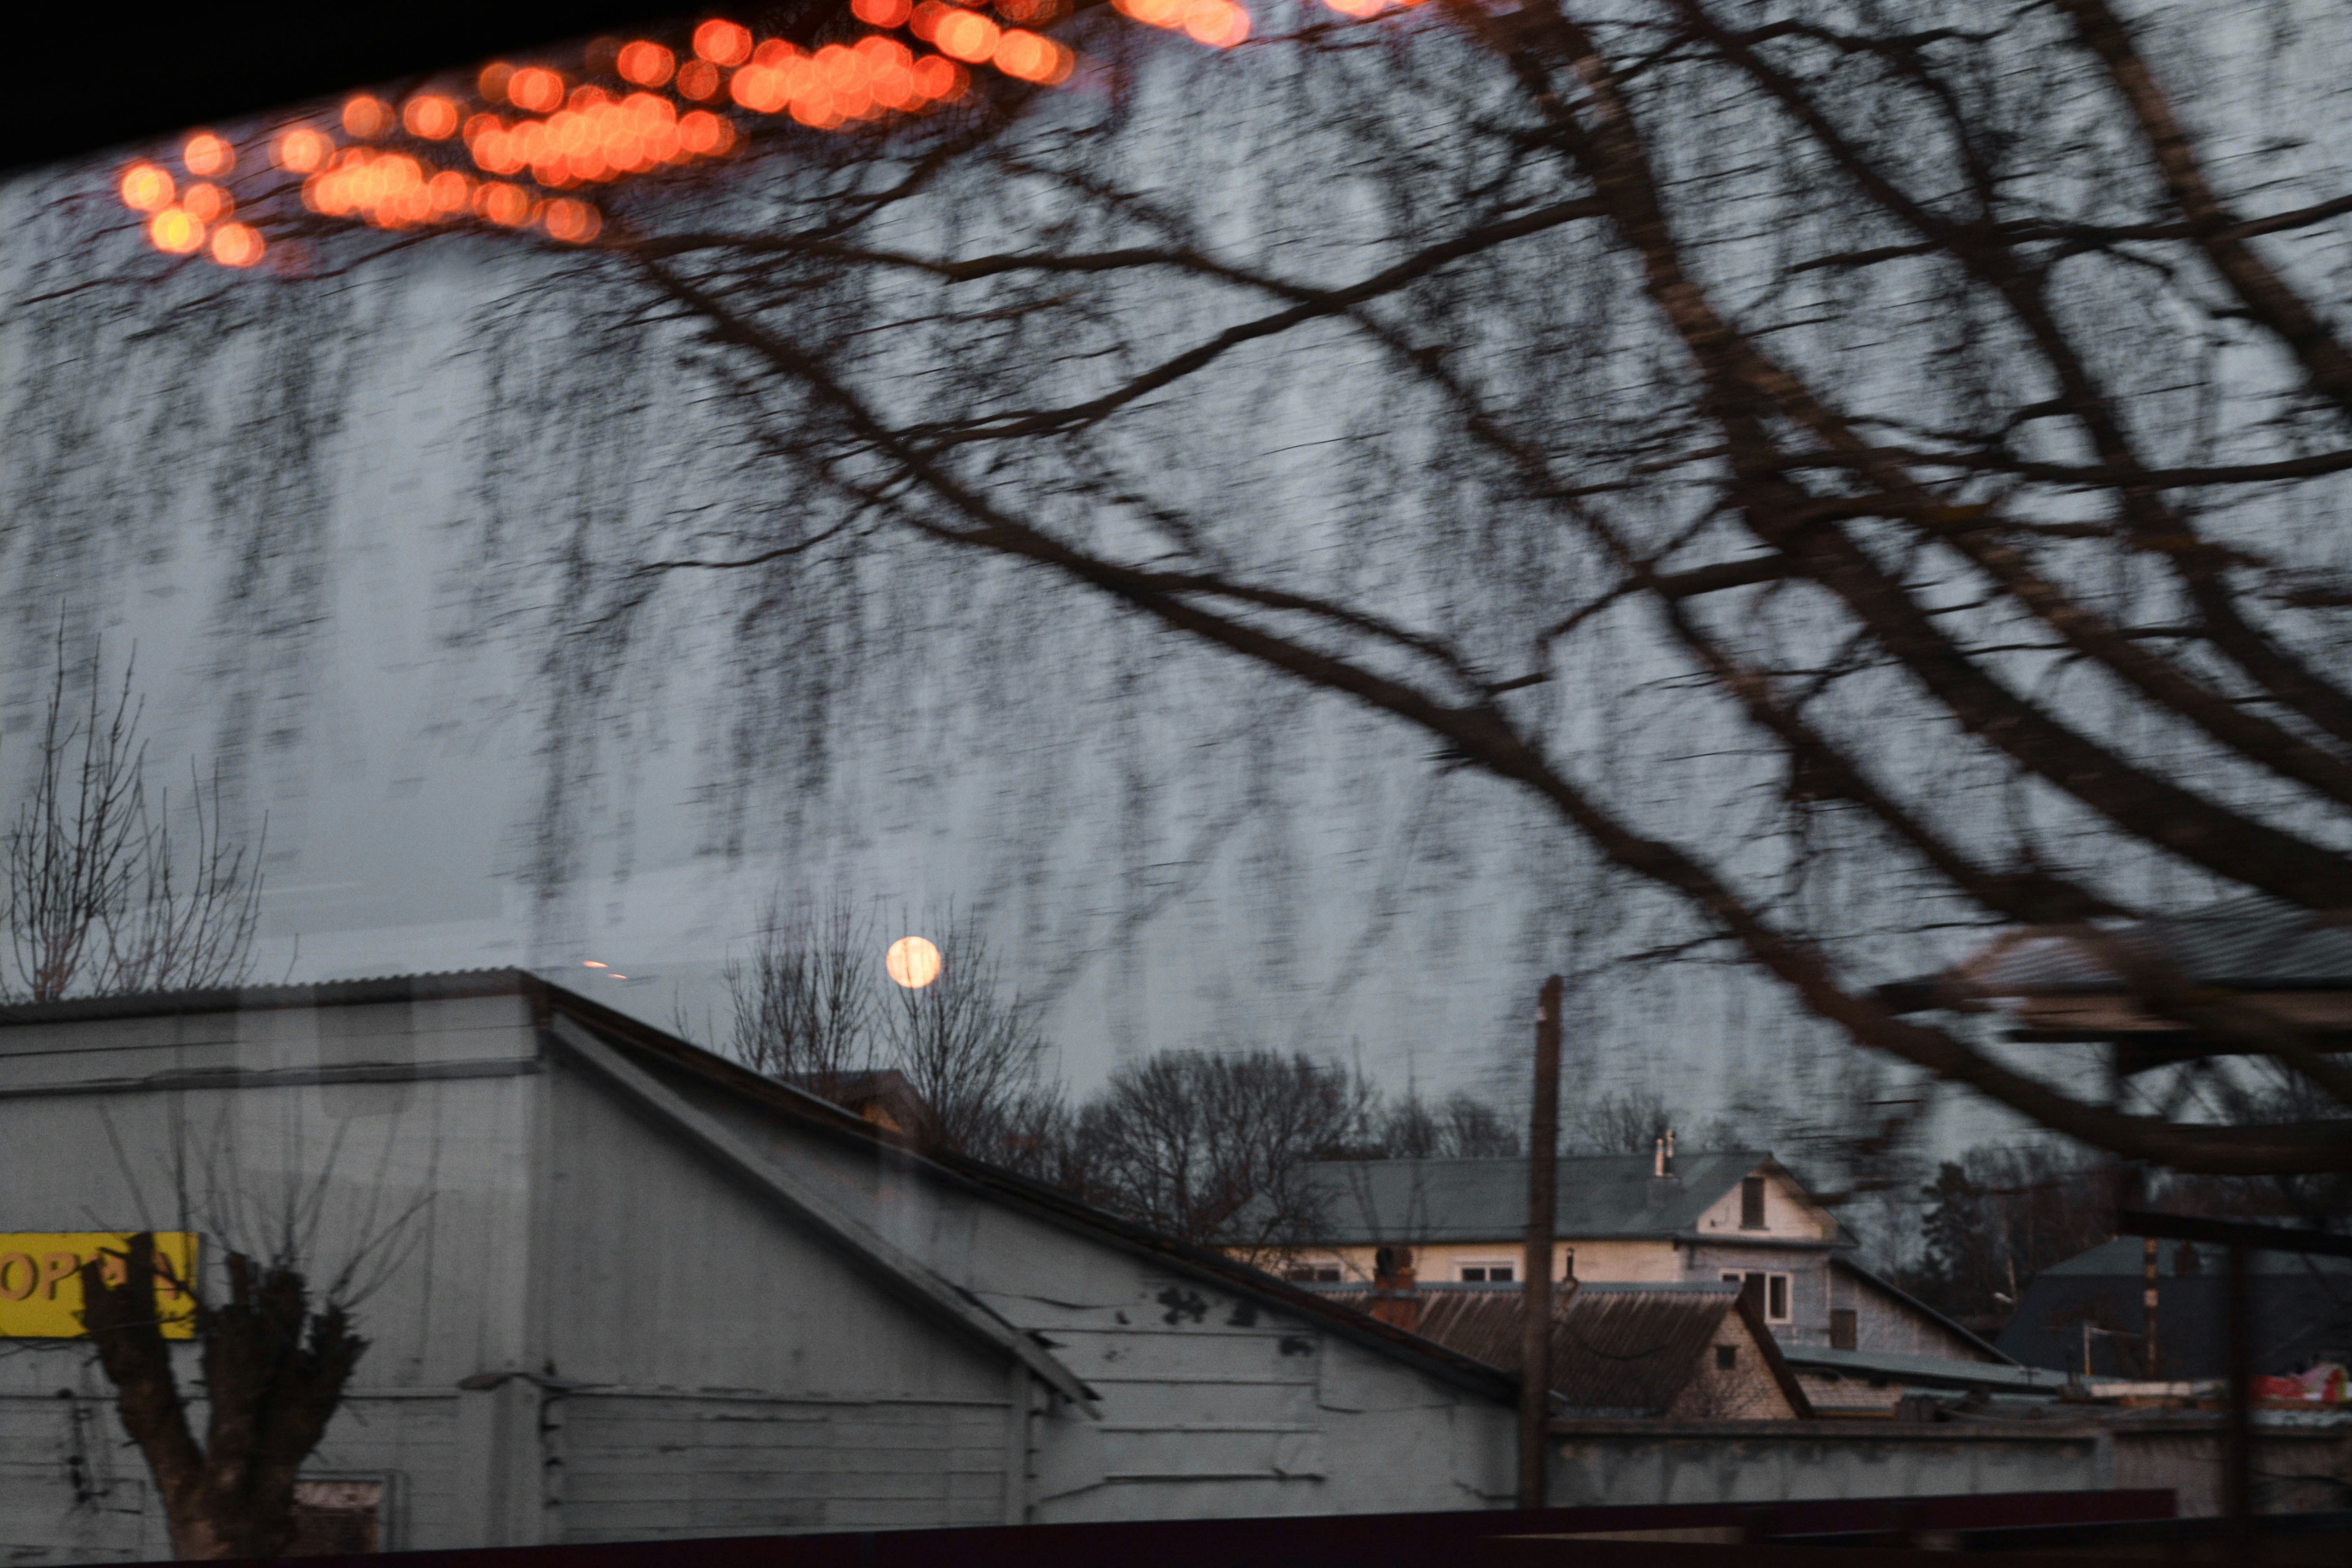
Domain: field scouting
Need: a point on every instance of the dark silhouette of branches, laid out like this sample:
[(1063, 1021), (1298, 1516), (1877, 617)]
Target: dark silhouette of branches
[(104, 897)]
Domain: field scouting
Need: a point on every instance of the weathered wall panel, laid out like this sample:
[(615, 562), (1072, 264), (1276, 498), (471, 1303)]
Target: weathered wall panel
[(669, 1466), (1620, 1462)]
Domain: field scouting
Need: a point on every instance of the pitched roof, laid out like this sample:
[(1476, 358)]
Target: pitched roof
[(644, 1043), (1925, 1371), (2125, 1257), (1615, 1348), (1421, 1201)]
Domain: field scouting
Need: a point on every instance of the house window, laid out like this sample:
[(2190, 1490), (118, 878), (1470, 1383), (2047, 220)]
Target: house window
[(1487, 1273), (1751, 1203), (1313, 1274), (1767, 1292), (1726, 1357), (1842, 1336)]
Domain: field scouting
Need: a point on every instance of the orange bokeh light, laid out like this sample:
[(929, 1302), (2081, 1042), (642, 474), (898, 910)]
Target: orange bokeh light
[(236, 245), (504, 205), (536, 89), (574, 223), (882, 13), (175, 231), (1219, 24), (303, 150), (367, 116), (722, 43), (206, 203), (704, 134), (1030, 58), (939, 78), (698, 79), (924, 20), (146, 188), (449, 192), (760, 89), (205, 156), (967, 34), (540, 91), (492, 83), (645, 63), (430, 116), (1152, 13)]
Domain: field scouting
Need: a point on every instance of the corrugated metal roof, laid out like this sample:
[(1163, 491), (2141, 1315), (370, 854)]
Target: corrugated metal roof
[(440, 985), (1614, 1347), (1366, 1202), (2250, 943)]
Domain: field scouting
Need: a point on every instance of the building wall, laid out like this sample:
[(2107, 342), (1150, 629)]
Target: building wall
[(1886, 1322), (400, 1122), (1596, 1463), (1745, 1391), (1212, 1404)]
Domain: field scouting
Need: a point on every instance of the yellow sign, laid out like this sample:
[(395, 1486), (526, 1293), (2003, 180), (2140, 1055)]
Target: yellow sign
[(40, 1280)]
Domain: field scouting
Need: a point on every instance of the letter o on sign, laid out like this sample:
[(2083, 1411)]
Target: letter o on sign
[(12, 1266)]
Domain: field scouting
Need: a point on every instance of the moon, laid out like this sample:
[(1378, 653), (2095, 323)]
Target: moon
[(913, 962)]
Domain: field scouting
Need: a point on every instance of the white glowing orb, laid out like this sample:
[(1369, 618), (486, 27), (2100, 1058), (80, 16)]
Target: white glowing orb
[(913, 961)]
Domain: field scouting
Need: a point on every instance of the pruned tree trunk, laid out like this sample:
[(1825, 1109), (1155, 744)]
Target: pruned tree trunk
[(273, 1370)]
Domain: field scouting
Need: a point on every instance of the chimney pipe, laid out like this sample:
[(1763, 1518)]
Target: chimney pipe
[(1396, 1300), (1658, 1164)]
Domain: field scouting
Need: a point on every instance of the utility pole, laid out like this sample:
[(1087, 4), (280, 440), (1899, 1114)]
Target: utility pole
[(1543, 1178)]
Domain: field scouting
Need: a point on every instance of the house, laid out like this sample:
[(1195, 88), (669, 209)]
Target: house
[(624, 1290), (2088, 1315), (1738, 1218), (1676, 1352)]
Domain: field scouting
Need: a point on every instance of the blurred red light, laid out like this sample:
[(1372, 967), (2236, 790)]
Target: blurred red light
[(722, 43), (236, 245), (206, 155), (647, 64)]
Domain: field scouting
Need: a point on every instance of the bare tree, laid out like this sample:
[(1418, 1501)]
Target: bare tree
[(103, 898), (1460, 1127), (273, 1319), (1214, 1147), (971, 1050), (274, 1370), (1855, 471), (804, 1004), (812, 1008)]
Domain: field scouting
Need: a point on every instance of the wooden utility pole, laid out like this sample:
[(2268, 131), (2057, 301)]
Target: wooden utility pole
[(1543, 1177)]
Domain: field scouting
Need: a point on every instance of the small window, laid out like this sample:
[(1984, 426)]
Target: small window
[(1751, 1203), (1488, 1273), (1768, 1293), (1313, 1274), (1726, 1357), (1842, 1336)]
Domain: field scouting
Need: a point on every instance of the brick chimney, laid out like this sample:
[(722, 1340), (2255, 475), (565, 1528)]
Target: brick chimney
[(1395, 1297)]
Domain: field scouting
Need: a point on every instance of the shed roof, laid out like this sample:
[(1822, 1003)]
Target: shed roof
[(1599, 1195)]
